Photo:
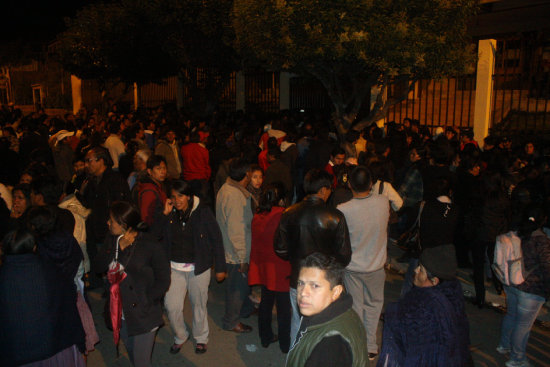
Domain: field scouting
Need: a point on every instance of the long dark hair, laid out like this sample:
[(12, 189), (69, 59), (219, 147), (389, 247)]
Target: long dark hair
[(127, 216), (183, 188), (271, 196)]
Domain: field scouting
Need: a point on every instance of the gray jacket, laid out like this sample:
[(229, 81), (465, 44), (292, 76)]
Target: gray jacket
[(234, 216)]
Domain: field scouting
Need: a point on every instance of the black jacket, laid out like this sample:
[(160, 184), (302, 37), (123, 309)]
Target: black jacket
[(38, 311), (147, 280), (207, 238), (311, 226), (98, 195)]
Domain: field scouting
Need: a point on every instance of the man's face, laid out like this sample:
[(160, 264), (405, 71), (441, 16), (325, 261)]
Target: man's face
[(314, 291), (93, 164), (25, 179), (158, 173), (324, 193), (338, 159), (414, 157), (170, 136)]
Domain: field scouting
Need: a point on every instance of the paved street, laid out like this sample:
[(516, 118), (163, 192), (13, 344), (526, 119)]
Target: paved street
[(229, 349)]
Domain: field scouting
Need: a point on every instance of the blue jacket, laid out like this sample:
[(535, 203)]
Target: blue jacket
[(38, 311), (427, 328)]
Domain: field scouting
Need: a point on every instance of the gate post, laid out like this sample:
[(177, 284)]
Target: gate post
[(76, 91), (484, 88), (284, 90)]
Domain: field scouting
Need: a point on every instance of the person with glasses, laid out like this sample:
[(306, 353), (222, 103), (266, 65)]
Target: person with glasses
[(102, 187)]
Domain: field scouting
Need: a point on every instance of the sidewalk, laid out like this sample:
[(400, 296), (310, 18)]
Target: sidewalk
[(465, 277)]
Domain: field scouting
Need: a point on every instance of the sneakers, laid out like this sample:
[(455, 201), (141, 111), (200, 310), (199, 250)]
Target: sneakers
[(372, 356), (503, 350), (524, 363)]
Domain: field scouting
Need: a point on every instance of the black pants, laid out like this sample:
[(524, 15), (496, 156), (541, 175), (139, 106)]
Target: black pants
[(479, 250), (282, 302)]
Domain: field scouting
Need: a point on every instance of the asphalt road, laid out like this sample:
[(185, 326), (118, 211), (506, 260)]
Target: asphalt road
[(230, 349)]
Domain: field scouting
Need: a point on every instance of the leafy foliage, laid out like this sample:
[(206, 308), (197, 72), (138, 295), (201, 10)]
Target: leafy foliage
[(351, 46), (145, 40), (119, 40)]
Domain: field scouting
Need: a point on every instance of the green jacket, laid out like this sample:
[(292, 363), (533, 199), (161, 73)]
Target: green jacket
[(343, 321)]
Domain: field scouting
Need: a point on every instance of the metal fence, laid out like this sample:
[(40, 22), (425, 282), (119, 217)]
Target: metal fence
[(262, 91), (521, 96), (156, 94), (445, 102), (308, 94), (228, 97)]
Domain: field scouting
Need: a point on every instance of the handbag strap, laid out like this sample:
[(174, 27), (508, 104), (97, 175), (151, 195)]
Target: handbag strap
[(117, 246)]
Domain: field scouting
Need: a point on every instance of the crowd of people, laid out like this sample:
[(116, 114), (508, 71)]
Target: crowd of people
[(144, 205)]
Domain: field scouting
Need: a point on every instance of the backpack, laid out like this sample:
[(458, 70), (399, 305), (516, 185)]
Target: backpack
[(508, 263)]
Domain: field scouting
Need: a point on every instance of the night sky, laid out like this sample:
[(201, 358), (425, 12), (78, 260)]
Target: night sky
[(35, 21)]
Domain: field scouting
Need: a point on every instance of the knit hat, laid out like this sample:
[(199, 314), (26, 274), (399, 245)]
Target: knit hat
[(440, 261)]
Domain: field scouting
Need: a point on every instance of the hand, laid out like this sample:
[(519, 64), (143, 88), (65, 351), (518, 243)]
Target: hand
[(220, 277), (168, 207), (243, 268), (128, 239)]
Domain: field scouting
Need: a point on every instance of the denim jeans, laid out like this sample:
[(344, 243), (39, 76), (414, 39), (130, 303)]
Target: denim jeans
[(295, 317), (237, 303), (522, 310)]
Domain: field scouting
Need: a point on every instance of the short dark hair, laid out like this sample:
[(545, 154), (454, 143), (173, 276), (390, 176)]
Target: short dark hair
[(442, 186), (166, 129), (275, 152), (360, 179), (334, 271), (50, 189), (18, 242), (114, 127), (127, 216), (441, 152), (337, 151), (315, 180), (25, 190), (238, 168), (155, 160), (102, 153), (255, 167), (41, 220)]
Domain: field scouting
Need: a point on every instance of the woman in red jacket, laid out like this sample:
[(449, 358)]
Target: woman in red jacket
[(268, 270)]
